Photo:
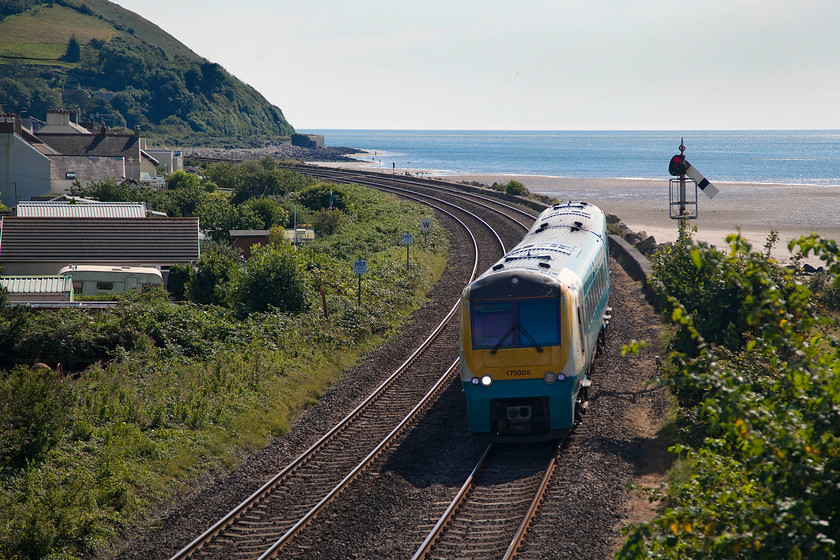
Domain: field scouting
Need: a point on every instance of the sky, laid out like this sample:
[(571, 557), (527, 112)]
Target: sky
[(526, 64)]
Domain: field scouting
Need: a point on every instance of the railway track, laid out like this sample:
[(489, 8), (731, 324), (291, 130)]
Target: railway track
[(397, 499), (434, 188), (489, 516), (267, 520)]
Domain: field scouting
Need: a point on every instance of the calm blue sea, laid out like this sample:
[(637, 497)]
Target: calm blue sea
[(809, 157)]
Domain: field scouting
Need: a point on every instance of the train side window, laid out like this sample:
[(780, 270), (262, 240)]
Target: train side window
[(491, 323), (540, 321)]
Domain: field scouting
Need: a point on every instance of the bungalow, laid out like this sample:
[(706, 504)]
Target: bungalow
[(43, 246)]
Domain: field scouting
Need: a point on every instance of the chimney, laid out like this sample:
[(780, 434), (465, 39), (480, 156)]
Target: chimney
[(10, 123), (137, 131), (58, 117)]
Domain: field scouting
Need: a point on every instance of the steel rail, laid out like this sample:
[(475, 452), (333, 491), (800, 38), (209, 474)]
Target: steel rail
[(472, 198), (519, 536), (433, 535), (243, 507), (424, 402), (437, 184), (461, 497)]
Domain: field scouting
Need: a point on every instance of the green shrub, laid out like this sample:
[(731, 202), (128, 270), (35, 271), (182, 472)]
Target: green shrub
[(765, 482), (177, 281), (33, 413), (217, 268), (515, 188), (708, 285), (320, 197), (327, 222), (274, 277), (826, 289)]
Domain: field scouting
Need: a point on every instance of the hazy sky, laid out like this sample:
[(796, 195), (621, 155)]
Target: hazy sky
[(526, 64)]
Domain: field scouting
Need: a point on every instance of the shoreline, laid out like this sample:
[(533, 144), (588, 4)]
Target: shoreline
[(643, 205)]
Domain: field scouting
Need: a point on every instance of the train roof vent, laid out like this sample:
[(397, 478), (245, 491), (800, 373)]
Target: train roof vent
[(544, 265), (577, 226), (498, 266)]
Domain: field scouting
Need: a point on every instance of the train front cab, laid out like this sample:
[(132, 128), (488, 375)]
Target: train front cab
[(519, 362)]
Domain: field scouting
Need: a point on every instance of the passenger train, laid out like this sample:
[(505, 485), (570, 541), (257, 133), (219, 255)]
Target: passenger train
[(531, 326)]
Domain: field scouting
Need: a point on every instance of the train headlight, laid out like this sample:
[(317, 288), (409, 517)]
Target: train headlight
[(550, 377), (485, 381)]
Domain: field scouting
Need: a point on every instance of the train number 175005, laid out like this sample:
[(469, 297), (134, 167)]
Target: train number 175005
[(518, 372)]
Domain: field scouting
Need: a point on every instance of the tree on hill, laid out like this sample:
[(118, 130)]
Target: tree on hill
[(74, 50)]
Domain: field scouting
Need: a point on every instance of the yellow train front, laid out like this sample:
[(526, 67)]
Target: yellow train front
[(531, 326)]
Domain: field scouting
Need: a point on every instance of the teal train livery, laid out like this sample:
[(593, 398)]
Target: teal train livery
[(532, 324)]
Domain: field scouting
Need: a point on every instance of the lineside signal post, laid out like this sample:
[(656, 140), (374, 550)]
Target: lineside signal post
[(682, 206)]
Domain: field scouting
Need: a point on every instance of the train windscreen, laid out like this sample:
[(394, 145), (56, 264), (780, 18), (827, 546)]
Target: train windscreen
[(515, 324)]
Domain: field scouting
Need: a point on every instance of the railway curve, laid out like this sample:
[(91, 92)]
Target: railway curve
[(392, 512)]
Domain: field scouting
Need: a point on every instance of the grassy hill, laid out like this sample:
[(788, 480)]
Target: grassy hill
[(126, 72)]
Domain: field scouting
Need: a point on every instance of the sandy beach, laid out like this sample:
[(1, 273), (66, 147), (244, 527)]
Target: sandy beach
[(757, 209)]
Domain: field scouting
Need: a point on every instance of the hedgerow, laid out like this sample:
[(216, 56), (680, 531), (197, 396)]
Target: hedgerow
[(764, 480)]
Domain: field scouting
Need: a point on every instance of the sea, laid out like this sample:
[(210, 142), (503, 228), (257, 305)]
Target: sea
[(797, 157)]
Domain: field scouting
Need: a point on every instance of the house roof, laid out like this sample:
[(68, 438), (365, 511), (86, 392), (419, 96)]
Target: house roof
[(37, 284), (127, 146), (99, 240), (80, 209)]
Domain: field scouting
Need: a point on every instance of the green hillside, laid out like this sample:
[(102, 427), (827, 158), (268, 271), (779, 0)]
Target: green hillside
[(113, 66)]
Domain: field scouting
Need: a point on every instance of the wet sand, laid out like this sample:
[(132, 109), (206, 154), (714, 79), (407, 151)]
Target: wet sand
[(643, 205), (755, 209)]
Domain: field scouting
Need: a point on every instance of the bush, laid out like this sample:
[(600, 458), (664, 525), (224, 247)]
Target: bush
[(268, 212), (33, 412), (764, 482), (515, 188), (177, 281), (694, 274), (826, 289), (273, 277), (327, 222), (217, 268), (320, 197), (182, 180)]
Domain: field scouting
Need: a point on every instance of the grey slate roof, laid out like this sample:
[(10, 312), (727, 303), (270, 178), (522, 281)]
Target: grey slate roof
[(94, 145), (99, 240)]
